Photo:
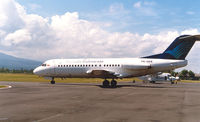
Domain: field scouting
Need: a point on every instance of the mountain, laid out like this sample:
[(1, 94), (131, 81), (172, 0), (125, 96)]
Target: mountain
[(12, 62)]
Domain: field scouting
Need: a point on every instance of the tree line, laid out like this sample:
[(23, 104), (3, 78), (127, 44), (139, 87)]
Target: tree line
[(6, 70), (185, 75)]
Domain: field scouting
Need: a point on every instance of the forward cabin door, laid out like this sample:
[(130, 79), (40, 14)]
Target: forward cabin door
[(52, 69), (58, 68)]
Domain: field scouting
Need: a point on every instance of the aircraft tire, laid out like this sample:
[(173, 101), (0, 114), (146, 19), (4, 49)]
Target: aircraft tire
[(53, 82), (105, 83), (113, 83)]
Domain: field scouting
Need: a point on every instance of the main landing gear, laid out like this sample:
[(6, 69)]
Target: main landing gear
[(53, 81), (107, 84)]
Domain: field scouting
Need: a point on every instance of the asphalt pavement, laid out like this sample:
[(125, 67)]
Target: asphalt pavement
[(89, 102)]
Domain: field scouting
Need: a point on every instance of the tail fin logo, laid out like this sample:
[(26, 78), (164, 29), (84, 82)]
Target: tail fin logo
[(180, 50), (176, 52)]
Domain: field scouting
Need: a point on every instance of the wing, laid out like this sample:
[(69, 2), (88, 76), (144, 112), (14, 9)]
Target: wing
[(103, 74)]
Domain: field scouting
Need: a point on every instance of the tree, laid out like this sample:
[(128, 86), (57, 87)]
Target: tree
[(191, 74), (173, 73), (184, 74)]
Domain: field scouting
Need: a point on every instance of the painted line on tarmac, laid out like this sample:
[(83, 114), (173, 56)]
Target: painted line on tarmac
[(2, 119), (6, 87), (48, 118)]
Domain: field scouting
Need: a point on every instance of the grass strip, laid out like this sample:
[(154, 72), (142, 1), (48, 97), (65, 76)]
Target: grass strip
[(20, 77), (1, 86)]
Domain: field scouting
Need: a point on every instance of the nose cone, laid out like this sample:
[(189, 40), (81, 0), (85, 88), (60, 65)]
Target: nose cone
[(36, 71)]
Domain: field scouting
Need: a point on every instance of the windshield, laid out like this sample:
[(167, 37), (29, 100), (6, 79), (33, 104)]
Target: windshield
[(44, 65)]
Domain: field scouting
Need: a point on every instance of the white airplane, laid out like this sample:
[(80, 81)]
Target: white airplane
[(159, 77), (113, 68)]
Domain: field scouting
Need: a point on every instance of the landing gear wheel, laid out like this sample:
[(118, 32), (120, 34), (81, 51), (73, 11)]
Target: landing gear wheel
[(105, 83), (113, 83), (53, 82)]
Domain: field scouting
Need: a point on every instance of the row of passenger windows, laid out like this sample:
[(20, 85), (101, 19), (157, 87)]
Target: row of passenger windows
[(91, 65)]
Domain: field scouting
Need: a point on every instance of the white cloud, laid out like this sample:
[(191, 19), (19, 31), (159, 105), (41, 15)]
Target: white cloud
[(67, 36), (190, 12), (148, 3), (34, 6), (19, 36), (145, 8), (116, 7), (137, 4), (190, 32)]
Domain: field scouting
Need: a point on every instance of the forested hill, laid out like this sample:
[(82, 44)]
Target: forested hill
[(11, 62)]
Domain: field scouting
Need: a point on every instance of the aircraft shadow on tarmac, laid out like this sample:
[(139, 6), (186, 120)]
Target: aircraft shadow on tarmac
[(143, 86), (156, 85)]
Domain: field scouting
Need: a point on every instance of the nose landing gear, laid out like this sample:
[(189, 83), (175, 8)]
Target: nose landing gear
[(53, 81)]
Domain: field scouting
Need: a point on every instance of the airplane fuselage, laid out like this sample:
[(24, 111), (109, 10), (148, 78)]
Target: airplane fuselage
[(118, 67)]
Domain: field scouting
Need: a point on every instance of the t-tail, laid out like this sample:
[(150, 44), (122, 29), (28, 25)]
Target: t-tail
[(179, 48)]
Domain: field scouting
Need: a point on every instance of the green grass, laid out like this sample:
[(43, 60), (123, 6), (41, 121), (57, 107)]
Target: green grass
[(33, 78), (20, 77), (190, 81), (2, 86)]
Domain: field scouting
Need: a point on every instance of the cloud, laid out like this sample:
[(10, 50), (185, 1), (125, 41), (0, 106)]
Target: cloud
[(145, 8), (19, 36), (190, 12), (116, 7), (34, 6), (137, 5), (68, 36)]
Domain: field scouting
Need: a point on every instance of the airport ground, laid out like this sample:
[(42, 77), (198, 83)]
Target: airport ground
[(89, 102)]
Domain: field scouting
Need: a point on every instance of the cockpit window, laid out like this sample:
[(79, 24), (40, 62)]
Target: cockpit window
[(44, 65)]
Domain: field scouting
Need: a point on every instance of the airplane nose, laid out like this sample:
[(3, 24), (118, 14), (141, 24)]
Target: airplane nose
[(35, 71)]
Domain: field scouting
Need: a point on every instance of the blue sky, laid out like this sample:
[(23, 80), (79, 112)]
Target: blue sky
[(148, 17)]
